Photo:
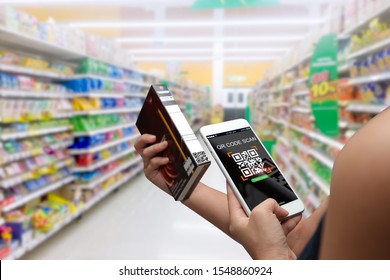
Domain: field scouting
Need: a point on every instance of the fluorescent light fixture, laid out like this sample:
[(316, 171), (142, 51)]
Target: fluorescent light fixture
[(205, 58), (232, 39), (196, 24), (206, 50)]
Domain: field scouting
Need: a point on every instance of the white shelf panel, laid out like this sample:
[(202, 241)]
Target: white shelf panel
[(102, 162), (33, 133), (103, 130), (370, 49), (20, 178), (32, 72), (366, 108), (314, 177), (301, 93), (97, 95), (137, 83), (301, 110), (103, 146), (301, 80), (103, 178), (135, 94), (39, 151), (278, 121), (106, 111), (370, 79), (319, 137), (344, 68), (12, 93), (38, 193)]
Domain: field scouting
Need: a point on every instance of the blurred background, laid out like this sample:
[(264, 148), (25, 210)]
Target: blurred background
[(74, 75)]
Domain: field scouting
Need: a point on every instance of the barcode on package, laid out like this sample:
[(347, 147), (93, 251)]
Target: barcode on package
[(200, 157)]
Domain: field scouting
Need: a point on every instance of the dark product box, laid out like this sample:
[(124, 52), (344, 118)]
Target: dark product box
[(162, 117)]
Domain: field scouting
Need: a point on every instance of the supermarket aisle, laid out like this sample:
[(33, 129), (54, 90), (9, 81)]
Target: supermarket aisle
[(141, 222)]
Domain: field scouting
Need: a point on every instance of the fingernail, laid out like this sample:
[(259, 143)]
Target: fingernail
[(164, 143), (166, 160)]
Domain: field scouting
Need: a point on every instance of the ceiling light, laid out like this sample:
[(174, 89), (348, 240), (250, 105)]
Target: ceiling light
[(233, 39), (195, 24)]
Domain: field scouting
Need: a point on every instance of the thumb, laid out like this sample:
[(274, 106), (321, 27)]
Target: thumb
[(271, 206)]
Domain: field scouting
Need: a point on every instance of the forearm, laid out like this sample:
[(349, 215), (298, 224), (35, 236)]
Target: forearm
[(211, 205)]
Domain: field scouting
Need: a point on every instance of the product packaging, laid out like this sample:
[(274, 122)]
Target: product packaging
[(161, 116)]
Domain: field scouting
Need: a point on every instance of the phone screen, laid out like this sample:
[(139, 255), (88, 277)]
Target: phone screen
[(251, 168)]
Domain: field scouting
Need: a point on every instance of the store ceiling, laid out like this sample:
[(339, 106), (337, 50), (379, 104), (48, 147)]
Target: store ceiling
[(165, 29)]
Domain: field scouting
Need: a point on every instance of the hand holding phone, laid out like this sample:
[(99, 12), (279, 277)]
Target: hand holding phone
[(248, 167)]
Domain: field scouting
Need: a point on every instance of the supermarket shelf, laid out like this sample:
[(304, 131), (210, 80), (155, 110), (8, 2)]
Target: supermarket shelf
[(370, 79), (106, 111), (301, 80), (314, 177), (366, 108), (102, 162), (299, 62), (19, 252), (357, 27), (317, 155), (301, 110), (64, 115), (32, 72), (343, 124), (39, 151), (103, 130), (27, 134), (12, 93), (18, 179), (97, 95), (301, 93), (370, 49), (319, 137), (38, 193), (104, 177), (103, 146)]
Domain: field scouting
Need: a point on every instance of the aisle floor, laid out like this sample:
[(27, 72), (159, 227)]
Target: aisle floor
[(141, 222)]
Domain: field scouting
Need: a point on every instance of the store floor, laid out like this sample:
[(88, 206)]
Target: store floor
[(141, 222)]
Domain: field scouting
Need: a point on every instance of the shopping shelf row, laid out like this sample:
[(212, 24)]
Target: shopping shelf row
[(103, 162), (94, 183), (38, 193), (35, 173), (19, 252), (59, 76), (38, 94), (103, 146), (34, 152), (53, 130)]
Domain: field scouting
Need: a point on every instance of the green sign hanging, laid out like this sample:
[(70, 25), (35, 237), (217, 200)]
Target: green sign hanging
[(227, 4), (323, 85)]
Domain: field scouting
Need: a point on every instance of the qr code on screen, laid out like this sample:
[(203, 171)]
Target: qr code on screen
[(249, 162), (200, 157)]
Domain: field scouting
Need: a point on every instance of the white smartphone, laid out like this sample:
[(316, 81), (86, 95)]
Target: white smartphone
[(248, 167)]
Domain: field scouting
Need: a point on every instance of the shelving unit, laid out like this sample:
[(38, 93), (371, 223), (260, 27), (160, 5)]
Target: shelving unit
[(294, 121), (114, 169)]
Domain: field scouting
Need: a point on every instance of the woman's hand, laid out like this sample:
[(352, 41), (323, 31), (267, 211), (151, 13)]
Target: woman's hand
[(261, 234), (148, 150)]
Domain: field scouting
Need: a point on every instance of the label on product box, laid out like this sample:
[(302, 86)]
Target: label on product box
[(323, 85)]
